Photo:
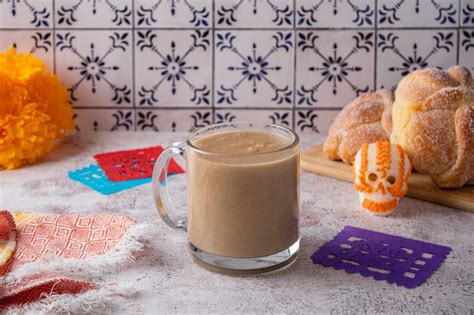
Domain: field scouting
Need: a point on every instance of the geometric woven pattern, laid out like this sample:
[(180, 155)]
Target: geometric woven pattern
[(54, 235), (69, 236), (8, 235), (35, 287)]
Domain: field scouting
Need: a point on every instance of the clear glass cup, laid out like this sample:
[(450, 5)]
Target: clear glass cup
[(243, 209)]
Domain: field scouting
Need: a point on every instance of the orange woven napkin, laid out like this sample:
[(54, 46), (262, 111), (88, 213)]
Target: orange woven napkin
[(47, 260)]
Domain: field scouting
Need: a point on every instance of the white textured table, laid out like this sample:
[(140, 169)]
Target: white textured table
[(169, 281)]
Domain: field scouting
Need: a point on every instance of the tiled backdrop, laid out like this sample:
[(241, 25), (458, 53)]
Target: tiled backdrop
[(181, 64)]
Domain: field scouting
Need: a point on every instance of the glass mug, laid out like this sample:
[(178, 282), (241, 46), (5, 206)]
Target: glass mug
[(243, 209)]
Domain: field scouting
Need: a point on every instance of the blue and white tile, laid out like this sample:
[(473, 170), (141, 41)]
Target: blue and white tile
[(278, 117), (254, 14), (26, 14), (403, 51), (333, 67), (96, 66), (173, 13), (467, 12), (314, 120), (254, 68), (466, 48), (173, 68), (39, 43), (321, 13), (96, 14), (419, 13), (184, 120), (104, 119)]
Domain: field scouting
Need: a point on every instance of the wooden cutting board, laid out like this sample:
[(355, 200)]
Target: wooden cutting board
[(419, 186)]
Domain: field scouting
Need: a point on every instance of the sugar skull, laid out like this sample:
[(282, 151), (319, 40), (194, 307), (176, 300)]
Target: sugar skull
[(381, 173)]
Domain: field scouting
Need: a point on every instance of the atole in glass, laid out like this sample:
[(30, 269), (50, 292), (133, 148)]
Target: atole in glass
[(243, 196)]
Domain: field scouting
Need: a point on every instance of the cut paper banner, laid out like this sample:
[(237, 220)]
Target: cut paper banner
[(95, 178), (132, 164), (53, 259), (405, 262)]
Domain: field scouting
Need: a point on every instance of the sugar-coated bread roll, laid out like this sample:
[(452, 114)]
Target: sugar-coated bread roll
[(366, 119), (433, 121)]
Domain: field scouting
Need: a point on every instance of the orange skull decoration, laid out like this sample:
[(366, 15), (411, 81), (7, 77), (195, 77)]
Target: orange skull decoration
[(381, 173)]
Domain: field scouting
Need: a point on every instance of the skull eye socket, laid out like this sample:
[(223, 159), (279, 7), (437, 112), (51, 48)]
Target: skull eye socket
[(391, 179), (372, 177)]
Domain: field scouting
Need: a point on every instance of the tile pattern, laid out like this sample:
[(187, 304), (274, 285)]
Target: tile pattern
[(333, 67), (95, 66), (403, 51), (418, 13), (336, 14), (38, 42), (177, 65), (254, 65), (93, 14), (255, 14), (467, 13), (174, 13), (466, 48), (26, 14)]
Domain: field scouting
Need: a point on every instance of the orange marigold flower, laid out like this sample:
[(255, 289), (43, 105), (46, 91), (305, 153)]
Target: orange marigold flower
[(34, 109)]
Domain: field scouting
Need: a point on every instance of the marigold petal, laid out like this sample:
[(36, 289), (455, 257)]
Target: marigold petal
[(34, 109), (20, 66)]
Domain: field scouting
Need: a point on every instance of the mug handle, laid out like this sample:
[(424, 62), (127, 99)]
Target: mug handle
[(160, 187)]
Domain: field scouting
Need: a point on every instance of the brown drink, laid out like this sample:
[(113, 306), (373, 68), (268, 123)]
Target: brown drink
[(243, 194)]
